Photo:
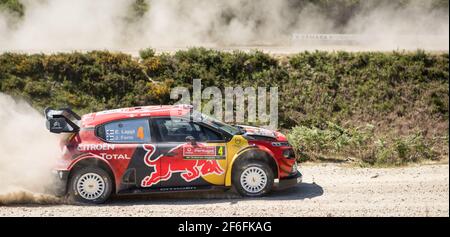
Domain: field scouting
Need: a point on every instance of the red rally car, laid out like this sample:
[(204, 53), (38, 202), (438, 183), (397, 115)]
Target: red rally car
[(166, 148)]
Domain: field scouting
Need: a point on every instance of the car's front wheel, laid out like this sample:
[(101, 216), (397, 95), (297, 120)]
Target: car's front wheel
[(253, 178), (90, 185)]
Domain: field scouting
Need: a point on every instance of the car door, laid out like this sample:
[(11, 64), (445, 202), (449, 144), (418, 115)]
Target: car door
[(188, 164), (130, 146)]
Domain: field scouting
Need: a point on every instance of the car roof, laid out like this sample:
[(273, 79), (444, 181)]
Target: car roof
[(94, 119)]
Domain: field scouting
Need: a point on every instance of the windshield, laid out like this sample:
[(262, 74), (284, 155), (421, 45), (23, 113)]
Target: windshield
[(216, 123)]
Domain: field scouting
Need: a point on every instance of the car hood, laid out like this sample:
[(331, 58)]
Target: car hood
[(262, 132)]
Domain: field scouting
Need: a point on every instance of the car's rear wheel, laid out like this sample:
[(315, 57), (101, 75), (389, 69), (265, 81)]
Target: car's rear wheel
[(253, 178), (90, 185)]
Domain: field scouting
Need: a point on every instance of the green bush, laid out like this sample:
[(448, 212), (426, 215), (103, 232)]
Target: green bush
[(327, 99), (147, 53), (14, 7), (337, 143), (403, 150), (333, 141)]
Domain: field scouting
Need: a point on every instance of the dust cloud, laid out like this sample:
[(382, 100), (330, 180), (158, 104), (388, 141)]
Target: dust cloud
[(64, 25), (27, 154)]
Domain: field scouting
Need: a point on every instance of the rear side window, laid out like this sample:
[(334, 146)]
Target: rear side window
[(126, 131)]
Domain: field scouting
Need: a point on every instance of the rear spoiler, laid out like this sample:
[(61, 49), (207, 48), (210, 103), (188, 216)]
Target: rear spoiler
[(62, 120)]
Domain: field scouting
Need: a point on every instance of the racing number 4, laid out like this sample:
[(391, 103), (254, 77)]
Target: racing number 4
[(219, 151)]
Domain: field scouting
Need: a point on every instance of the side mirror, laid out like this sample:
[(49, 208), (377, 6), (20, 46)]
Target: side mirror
[(191, 140)]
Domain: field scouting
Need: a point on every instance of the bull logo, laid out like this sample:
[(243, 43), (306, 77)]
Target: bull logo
[(190, 169)]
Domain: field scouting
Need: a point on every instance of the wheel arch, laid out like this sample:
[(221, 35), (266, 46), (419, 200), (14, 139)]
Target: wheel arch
[(94, 162), (256, 153)]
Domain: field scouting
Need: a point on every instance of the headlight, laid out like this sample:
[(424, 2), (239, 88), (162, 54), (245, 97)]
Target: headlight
[(288, 153)]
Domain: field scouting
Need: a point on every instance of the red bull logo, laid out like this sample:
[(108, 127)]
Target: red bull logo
[(189, 169)]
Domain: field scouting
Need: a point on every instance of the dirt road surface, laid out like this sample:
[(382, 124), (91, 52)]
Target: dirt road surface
[(327, 190)]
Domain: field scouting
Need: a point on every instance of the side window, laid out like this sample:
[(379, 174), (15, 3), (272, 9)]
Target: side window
[(176, 130), (211, 135), (126, 131)]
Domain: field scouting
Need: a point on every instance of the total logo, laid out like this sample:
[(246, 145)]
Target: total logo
[(189, 169), (114, 156)]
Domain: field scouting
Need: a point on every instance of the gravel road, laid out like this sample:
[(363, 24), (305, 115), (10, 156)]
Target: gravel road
[(327, 190)]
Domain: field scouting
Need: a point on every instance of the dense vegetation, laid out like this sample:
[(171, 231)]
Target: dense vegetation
[(379, 108)]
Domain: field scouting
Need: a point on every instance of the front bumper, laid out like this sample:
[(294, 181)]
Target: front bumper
[(60, 178), (289, 181)]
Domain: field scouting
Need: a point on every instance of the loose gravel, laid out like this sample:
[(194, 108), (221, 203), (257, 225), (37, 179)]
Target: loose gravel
[(327, 190)]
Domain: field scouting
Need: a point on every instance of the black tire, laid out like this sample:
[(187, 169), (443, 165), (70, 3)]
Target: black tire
[(74, 192), (259, 165)]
